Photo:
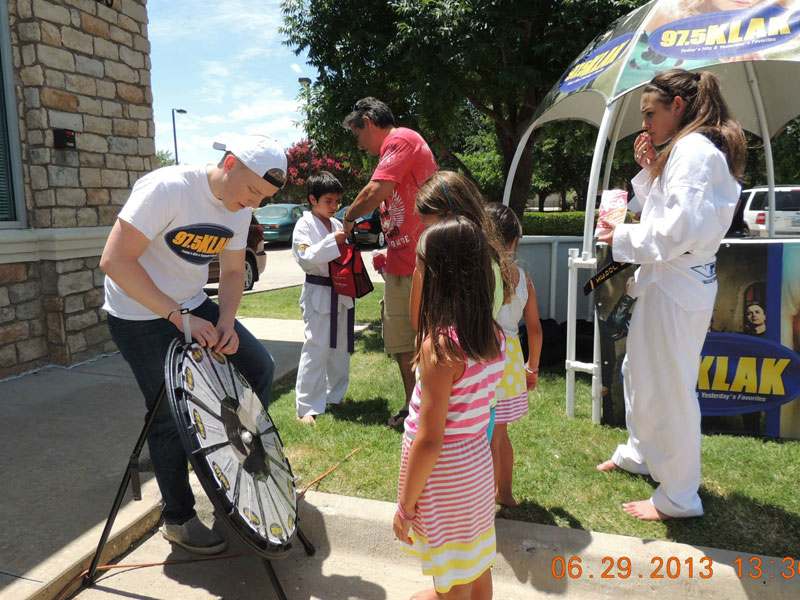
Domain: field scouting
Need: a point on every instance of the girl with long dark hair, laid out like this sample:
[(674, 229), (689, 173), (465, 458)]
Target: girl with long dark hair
[(689, 192), (445, 499)]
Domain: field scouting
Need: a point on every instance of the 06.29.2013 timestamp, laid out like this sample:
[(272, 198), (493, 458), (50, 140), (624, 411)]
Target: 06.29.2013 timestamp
[(672, 567)]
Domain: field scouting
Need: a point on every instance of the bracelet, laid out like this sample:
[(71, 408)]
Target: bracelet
[(403, 514), (174, 310), (534, 371), (348, 219)]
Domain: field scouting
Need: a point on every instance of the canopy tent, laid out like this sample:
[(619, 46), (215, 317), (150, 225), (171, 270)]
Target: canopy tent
[(755, 51)]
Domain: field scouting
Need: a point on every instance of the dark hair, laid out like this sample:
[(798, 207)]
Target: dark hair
[(447, 193), (323, 183), (457, 292), (706, 112), (508, 226), (748, 327), (372, 108)]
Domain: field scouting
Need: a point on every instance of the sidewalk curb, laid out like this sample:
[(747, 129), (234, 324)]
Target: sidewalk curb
[(119, 542), (526, 553)]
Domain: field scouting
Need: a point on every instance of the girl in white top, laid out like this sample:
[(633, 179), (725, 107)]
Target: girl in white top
[(518, 377), (689, 192)]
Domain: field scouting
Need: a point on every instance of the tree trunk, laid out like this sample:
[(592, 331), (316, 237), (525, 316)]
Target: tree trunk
[(508, 140), (542, 198)]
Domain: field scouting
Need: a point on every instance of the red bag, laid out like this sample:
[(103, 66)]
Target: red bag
[(348, 273)]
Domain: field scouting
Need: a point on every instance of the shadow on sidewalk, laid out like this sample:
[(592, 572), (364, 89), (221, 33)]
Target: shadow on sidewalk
[(531, 560), (302, 577)]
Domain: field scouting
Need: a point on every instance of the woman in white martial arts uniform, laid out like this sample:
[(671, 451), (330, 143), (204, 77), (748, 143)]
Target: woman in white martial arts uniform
[(689, 192), (322, 375)]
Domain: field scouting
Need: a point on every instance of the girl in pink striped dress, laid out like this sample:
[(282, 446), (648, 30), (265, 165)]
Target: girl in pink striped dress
[(445, 509), (518, 377)]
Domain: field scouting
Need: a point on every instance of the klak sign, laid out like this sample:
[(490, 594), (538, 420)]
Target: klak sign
[(596, 62), (739, 371), (726, 34)]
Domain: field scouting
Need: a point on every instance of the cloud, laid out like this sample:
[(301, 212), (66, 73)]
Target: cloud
[(226, 64), (262, 109), (171, 21)]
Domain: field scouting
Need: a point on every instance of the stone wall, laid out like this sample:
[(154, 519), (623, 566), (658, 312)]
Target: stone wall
[(78, 65), (23, 344)]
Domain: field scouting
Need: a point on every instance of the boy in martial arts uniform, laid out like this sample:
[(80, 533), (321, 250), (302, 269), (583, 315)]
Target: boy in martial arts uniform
[(322, 375)]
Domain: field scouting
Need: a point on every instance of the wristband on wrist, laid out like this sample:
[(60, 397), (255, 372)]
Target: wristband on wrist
[(169, 314), (348, 219), (403, 514), (535, 371)]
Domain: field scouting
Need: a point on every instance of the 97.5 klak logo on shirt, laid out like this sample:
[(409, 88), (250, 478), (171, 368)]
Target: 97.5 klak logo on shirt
[(198, 244)]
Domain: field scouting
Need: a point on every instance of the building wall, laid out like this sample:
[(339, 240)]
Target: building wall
[(80, 65)]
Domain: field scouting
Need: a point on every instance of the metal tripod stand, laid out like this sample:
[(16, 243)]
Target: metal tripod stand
[(131, 475)]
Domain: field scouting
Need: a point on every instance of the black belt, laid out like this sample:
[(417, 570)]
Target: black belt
[(604, 275), (351, 312)]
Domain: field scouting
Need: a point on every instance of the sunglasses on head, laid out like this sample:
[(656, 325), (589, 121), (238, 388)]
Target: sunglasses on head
[(275, 177)]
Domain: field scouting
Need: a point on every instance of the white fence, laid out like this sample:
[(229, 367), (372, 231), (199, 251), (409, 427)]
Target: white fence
[(546, 259)]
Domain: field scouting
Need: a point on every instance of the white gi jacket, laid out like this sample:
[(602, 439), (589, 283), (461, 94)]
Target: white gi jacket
[(313, 247), (685, 215)]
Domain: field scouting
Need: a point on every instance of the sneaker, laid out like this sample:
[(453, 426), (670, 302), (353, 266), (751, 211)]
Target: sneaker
[(195, 537)]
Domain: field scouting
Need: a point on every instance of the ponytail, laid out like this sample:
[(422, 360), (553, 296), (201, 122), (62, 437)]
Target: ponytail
[(706, 112)]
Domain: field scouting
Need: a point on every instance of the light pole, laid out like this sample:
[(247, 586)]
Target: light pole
[(180, 111)]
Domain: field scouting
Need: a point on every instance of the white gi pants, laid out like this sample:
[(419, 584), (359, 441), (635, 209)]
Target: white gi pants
[(662, 412), (323, 372)]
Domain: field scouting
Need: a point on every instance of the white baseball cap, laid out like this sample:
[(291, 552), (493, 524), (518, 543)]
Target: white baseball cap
[(259, 153)]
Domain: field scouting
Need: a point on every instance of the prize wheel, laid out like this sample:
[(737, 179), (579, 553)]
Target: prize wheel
[(233, 446)]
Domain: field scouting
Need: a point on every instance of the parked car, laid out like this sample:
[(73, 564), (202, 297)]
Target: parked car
[(367, 230), (279, 220), (787, 211), (255, 259)]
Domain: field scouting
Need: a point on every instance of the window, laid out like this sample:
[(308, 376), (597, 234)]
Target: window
[(785, 200), (759, 201), (8, 210), (12, 203), (272, 212)]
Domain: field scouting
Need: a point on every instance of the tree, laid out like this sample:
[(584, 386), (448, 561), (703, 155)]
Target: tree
[(304, 160), (164, 158), (431, 60), (785, 150)]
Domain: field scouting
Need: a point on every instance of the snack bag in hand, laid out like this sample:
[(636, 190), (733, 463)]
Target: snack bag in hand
[(613, 208)]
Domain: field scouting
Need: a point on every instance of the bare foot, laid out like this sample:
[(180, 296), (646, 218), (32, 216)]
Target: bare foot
[(426, 595), (506, 500), (607, 466), (307, 420), (644, 510)]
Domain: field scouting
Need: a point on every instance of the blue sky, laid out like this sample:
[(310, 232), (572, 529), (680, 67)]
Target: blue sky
[(224, 63)]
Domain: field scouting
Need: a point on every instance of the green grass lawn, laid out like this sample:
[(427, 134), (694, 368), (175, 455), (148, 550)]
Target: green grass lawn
[(749, 486), (285, 304)]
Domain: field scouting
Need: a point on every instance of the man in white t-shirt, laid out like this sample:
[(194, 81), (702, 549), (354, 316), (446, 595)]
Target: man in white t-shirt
[(176, 221)]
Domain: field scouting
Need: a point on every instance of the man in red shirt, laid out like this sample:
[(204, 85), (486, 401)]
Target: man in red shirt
[(406, 162)]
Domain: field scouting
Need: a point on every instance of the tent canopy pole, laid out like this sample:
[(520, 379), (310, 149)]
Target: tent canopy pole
[(512, 171), (752, 80), (594, 178), (614, 139)]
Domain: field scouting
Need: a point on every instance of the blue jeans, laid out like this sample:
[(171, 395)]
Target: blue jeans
[(144, 346)]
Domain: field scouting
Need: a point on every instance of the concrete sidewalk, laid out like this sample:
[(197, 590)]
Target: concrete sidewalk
[(357, 558), (65, 439)]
